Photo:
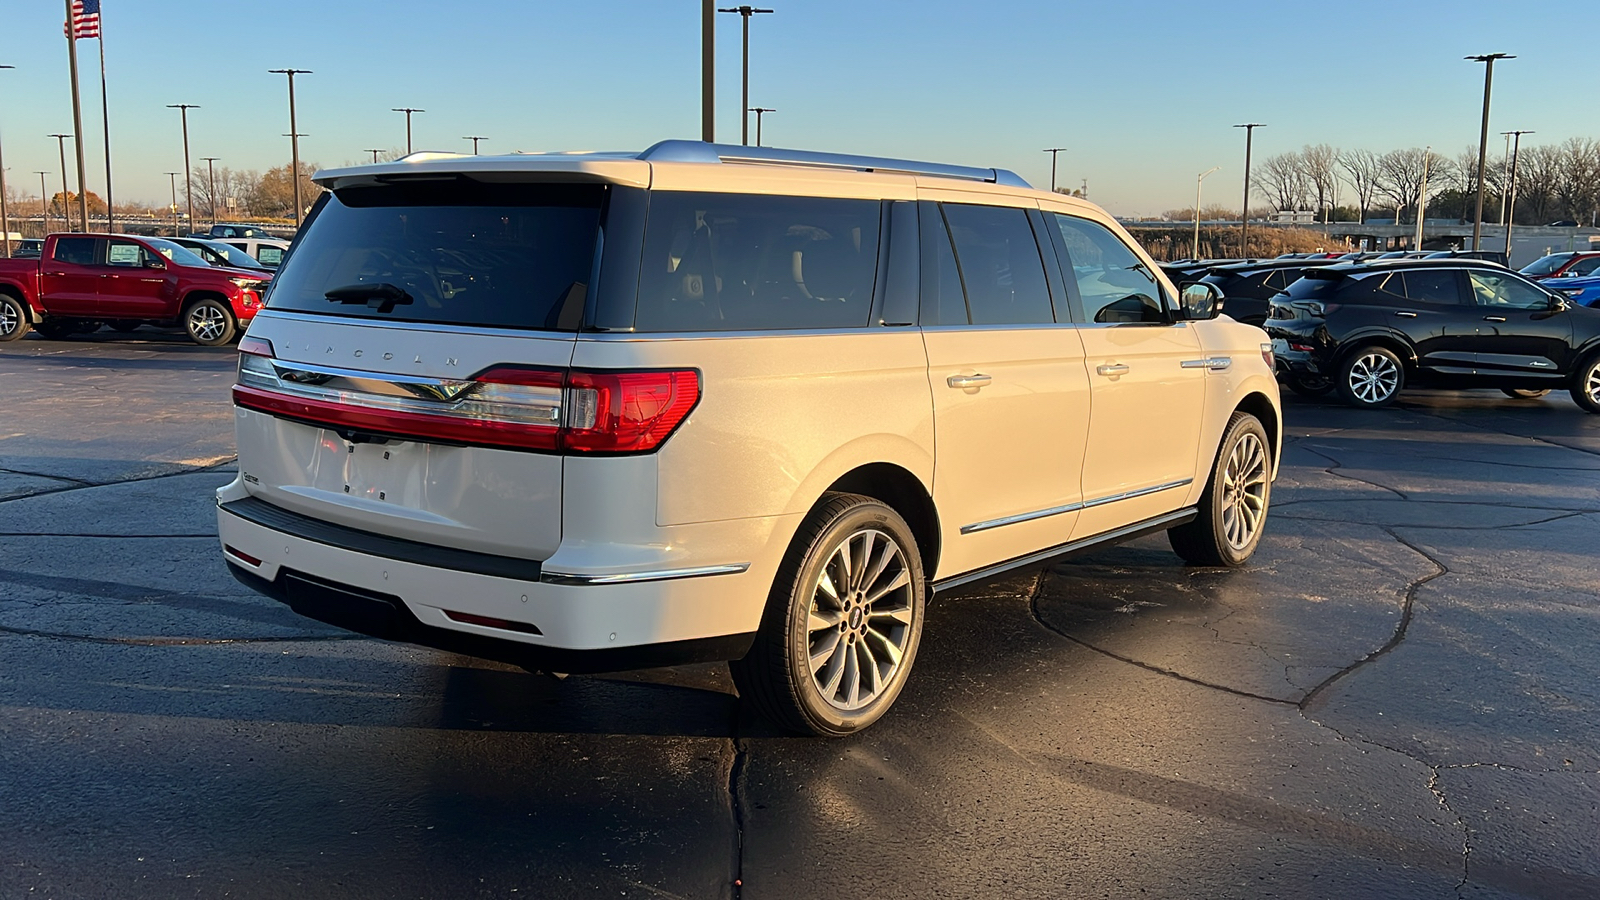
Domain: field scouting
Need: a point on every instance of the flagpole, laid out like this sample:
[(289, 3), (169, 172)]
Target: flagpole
[(105, 116), (77, 115)]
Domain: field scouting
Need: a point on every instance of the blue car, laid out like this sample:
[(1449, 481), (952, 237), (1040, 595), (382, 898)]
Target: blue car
[(1584, 291)]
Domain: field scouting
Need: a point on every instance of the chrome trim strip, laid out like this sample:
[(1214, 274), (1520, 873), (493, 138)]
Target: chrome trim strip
[(564, 578), (1195, 363), (1219, 363), (364, 323), (1176, 517), (284, 366), (1070, 507)]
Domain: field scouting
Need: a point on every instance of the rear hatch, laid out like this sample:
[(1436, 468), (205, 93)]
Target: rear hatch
[(409, 372)]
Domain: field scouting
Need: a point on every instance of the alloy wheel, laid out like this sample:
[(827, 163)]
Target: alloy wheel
[(1591, 382), (1374, 378), (207, 323), (1244, 491), (10, 319), (860, 620)]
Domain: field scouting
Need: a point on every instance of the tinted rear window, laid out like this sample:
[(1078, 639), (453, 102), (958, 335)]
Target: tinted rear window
[(734, 262), (1314, 286), (467, 253)]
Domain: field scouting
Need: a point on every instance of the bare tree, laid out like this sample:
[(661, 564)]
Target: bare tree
[(274, 192), (1400, 178), (1538, 183), (1319, 166), (1578, 187), (232, 184), (1284, 179), (1362, 168)]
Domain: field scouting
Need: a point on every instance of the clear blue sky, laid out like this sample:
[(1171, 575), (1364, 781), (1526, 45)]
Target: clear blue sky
[(1141, 91)]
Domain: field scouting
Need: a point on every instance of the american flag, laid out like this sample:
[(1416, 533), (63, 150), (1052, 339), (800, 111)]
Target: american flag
[(85, 19)]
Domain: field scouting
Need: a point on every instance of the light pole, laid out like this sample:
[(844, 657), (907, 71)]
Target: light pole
[(294, 141), (1511, 207), (745, 12), (188, 169), (5, 216), (211, 180), (1483, 139), (408, 110), (1199, 180), (44, 203), (1422, 195), (474, 138), (373, 152), (1505, 176), (1244, 220), (708, 67), (760, 111), (66, 201), (1053, 151), (173, 177), (77, 120)]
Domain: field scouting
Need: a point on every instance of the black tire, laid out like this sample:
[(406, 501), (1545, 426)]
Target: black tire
[(1232, 516), (1523, 393), (14, 323), (777, 678), (1586, 384), (124, 327), (1310, 385), (209, 322), (1371, 377), (57, 329)]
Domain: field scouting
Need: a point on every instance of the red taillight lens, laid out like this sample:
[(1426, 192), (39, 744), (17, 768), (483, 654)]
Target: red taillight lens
[(626, 412), (255, 346)]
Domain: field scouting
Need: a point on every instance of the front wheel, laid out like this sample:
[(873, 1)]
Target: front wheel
[(1586, 384), (842, 624), (1371, 377), (1233, 508), (209, 323), (14, 324)]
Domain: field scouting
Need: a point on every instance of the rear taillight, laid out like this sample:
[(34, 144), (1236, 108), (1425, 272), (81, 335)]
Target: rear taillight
[(513, 407)]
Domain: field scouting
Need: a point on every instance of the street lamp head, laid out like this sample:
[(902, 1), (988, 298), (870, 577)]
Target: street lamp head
[(1489, 57), (406, 109), (183, 106), (290, 72), (1251, 125), (745, 11)]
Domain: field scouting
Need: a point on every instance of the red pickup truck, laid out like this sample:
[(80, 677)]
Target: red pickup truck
[(82, 281)]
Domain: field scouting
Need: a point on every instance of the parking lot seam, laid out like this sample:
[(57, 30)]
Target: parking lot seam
[(176, 641), (89, 485)]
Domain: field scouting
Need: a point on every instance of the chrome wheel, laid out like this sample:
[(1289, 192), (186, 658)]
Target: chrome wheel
[(10, 319), (1244, 491), (1374, 378), (207, 323), (860, 620)]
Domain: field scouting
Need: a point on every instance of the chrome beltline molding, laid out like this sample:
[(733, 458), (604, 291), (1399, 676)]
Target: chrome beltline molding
[(637, 577), (1071, 507)]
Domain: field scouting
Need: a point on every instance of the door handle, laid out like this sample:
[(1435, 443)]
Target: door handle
[(968, 382), (1112, 370), (1494, 318), (1406, 314), (56, 274)]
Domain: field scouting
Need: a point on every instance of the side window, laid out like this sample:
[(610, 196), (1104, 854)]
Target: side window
[(1114, 286), (1439, 287), (735, 262), (1584, 266), (269, 256), (1000, 265), (124, 253), (76, 251), (1277, 279), (1506, 291), (943, 300)]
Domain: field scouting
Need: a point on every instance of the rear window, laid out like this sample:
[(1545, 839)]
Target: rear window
[(1315, 285), (464, 253)]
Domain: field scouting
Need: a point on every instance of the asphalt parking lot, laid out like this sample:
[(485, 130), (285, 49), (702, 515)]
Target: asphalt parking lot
[(1396, 699)]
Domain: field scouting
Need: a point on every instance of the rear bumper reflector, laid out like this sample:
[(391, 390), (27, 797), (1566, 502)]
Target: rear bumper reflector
[(492, 622)]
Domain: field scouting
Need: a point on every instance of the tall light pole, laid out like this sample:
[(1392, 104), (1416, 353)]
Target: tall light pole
[(173, 177), (1505, 176), (77, 118), (5, 215), (474, 138), (44, 203), (373, 152), (66, 200), (294, 142), (708, 68), (1200, 179), (745, 12), (1483, 139), (408, 110), (188, 167), (211, 180), (1422, 195), (1053, 151), (760, 111), (1244, 220), (1511, 213)]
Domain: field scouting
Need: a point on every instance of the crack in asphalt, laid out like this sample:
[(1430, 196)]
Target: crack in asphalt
[(1466, 830), (80, 485), (11, 471), (1564, 515), (738, 776), (1333, 470)]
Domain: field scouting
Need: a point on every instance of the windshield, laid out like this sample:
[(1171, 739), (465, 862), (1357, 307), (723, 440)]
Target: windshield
[(1546, 265), (233, 255), (183, 256), (461, 252)]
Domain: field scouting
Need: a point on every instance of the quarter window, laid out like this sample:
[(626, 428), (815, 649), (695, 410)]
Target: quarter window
[(1506, 291), (1000, 265), (733, 262), (1114, 285)]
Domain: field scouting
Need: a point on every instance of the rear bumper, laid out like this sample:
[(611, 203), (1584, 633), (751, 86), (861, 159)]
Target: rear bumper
[(494, 607)]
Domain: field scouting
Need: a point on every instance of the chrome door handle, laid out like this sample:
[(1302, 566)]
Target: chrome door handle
[(1406, 315), (968, 382), (1112, 370), (1494, 318)]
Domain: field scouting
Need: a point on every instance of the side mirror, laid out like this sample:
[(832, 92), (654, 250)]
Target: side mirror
[(1201, 300), (1558, 302)]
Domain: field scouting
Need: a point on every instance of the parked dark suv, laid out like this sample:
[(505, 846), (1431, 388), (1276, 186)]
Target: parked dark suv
[(1248, 287), (1368, 330)]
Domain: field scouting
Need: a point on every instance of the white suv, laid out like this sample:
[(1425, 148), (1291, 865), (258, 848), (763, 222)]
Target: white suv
[(589, 412)]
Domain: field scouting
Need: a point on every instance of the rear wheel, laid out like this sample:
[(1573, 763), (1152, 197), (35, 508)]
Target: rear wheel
[(58, 329), (842, 623), (13, 319), (1371, 377), (1523, 393), (1310, 385), (124, 327), (209, 323), (1233, 508), (1586, 384)]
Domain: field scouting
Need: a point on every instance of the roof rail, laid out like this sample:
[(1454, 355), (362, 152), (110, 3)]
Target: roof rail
[(701, 152)]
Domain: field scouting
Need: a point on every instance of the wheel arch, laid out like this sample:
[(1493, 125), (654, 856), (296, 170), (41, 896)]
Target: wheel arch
[(1388, 340), (905, 494), (199, 294), (1261, 406), (15, 292)]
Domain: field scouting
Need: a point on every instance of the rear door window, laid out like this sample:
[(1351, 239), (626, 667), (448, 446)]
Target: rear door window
[(738, 262), (77, 251), (1000, 265), (463, 252), (1438, 287)]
